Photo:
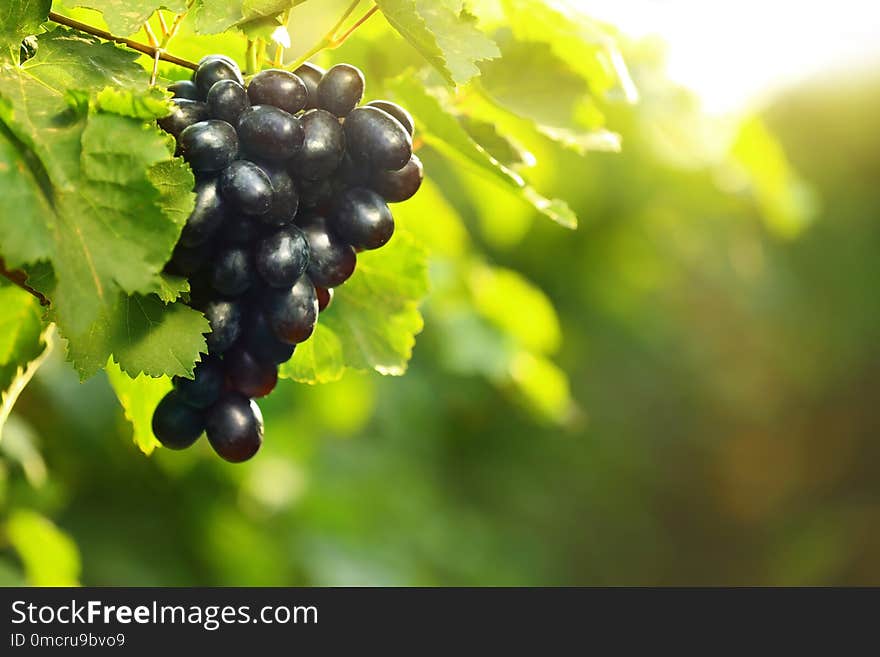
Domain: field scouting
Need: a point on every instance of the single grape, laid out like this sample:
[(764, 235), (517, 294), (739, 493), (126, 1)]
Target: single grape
[(225, 318), (377, 138), (214, 68), (209, 145), (235, 427), (185, 89), (186, 261), (240, 229), (293, 312), (282, 257), (227, 100), (362, 219), (331, 261), (402, 185), (270, 133), (311, 76), (207, 216), (285, 197), (206, 385), (325, 297), (403, 117), (176, 424), (279, 88), (247, 187), (341, 89), (248, 375), (184, 113), (323, 145), (262, 344), (233, 271)]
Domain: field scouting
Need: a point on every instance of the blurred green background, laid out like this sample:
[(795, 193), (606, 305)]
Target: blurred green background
[(681, 391)]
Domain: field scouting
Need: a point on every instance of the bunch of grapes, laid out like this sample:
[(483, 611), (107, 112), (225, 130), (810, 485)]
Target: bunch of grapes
[(293, 179)]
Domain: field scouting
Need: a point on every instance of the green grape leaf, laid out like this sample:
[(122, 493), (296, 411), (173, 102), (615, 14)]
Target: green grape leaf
[(589, 48), (126, 17), (138, 398), (501, 147), (94, 193), (216, 17), (144, 335), (374, 318), (444, 32), (18, 19), (531, 81), (23, 344), (442, 130)]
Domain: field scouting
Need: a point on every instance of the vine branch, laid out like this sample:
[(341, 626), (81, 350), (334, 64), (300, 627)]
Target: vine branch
[(154, 52), (19, 278)]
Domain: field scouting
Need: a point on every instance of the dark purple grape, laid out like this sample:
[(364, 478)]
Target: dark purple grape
[(325, 297), (248, 375), (206, 385), (214, 68), (377, 138), (225, 318), (207, 216), (177, 425), (331, 261), (184, 113), (341, 89), (285, 198), (282, 257), (362, 219), (402, 185), (227, 100), (240, 229), (403, 117), (209, 145), (292, 313), (186, 261), (185, 89), (261, 342), (279, 88), (311, 76), (247, 187), (270, 133), (233, 271), (235, 427), (323, 145)]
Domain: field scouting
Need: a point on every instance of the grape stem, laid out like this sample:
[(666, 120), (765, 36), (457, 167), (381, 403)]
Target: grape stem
[(19, 278), (154, 52), (333, 39)]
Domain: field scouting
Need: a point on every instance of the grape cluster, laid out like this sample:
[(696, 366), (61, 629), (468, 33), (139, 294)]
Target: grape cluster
[(293, 178)]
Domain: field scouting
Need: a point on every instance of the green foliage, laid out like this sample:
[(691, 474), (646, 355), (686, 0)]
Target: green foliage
[(18, 19), (444, 32), (83, 195), (139, 397)]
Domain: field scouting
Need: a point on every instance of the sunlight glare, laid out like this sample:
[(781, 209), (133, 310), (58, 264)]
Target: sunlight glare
[(733, 54)]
